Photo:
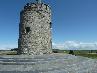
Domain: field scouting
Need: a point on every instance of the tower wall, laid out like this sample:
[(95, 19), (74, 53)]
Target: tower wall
[(35, 29)]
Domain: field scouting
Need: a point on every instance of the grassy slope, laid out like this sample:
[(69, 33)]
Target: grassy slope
[(84, 53)]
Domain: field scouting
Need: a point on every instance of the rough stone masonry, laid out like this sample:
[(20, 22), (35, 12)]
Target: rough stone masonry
[(35, 29)]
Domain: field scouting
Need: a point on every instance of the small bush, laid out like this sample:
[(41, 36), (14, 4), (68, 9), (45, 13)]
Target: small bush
[(71, 52)]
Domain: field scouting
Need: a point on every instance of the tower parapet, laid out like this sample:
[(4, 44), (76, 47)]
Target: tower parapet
[(34, 6), (38, 1)]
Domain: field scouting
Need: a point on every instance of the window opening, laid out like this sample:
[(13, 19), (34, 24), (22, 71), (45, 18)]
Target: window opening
[(28, 29)]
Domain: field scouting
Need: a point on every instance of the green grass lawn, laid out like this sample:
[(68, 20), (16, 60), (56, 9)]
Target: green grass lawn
[(89, 55), (8, 52), (85, 53)]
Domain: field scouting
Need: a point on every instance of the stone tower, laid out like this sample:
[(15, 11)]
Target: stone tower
[(35, 29)]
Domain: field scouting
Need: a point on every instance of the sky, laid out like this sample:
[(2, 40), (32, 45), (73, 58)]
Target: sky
[(72, 20)]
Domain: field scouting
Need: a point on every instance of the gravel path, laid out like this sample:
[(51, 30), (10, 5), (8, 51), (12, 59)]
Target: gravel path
[(54, 63)]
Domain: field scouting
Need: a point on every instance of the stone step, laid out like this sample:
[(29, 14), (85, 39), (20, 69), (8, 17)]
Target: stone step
[(18, 72), (48, 64), (17, 63)]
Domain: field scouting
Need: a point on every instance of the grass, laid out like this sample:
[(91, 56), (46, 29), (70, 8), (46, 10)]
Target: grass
[(89, 55), (8, 52), (85, 53)]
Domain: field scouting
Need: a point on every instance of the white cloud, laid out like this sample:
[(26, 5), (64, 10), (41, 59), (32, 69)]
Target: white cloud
[(75, 45), (7, 46), (58, 46), (67, 45)]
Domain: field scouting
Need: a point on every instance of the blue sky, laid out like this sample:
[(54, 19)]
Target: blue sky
[(73, 20)]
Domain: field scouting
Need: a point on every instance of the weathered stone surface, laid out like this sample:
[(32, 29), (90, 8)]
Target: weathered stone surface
[(35, 29), (53, 63)]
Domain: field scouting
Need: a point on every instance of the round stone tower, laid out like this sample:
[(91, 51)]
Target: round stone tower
[(35, 29)]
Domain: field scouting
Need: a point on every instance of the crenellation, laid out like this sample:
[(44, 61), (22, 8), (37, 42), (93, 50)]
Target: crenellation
[(38, 7)]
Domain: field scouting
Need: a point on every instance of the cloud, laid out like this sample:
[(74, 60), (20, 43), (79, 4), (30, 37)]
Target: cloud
[(58, 46), (7, 46), (75, 45), (67, 45)]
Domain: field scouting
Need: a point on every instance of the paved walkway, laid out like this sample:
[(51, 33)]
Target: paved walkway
[(54, 63)]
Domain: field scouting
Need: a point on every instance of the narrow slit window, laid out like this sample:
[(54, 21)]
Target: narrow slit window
[(50, 24)]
